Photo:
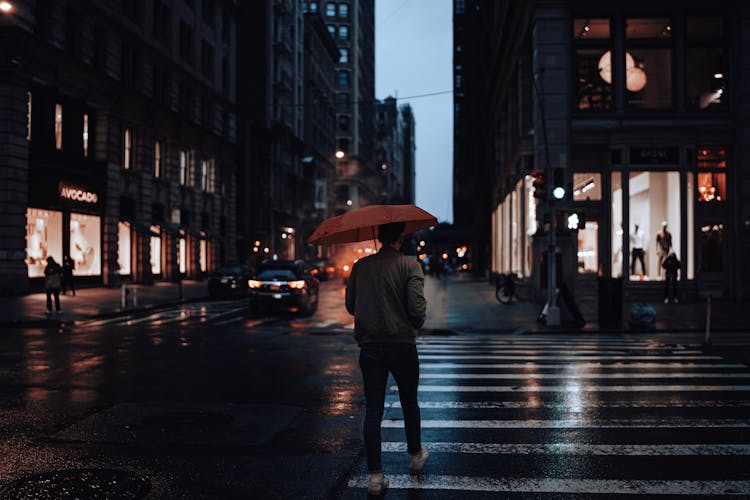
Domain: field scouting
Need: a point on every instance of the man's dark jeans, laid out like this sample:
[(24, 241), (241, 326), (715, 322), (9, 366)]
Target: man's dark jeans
[(376, 361)]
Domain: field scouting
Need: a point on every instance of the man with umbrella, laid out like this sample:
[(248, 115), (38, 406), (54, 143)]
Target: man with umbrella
[(385, 293)]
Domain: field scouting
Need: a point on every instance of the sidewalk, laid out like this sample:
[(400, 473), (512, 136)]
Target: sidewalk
[(466, 304), (29, 310)]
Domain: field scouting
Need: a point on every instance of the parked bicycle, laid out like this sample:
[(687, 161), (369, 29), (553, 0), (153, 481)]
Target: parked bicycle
[(505, 287)]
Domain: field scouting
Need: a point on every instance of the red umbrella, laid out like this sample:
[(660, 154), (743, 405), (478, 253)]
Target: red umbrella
[(362, 224)]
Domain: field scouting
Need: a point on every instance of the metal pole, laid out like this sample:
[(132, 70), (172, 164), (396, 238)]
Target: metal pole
[(553, 312)]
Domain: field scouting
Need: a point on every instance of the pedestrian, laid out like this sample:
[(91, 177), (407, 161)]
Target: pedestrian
[(67, 275), (385, 294), (52, 283), (672, 266), (637, 241)]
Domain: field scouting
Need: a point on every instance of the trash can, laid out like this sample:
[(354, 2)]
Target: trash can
[(610, 302)]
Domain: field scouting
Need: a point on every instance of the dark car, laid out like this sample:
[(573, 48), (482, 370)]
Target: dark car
[(229, 280), (322, 269), (283, 283)]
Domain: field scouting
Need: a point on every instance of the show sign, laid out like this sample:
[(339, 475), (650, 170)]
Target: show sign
[(654, 156), (76, 193)]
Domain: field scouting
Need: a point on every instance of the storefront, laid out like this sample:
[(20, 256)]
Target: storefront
[(66, 223)]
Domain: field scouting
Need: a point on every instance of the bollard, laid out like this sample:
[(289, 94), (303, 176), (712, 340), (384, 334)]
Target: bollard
[(708, 320), (123, 296)]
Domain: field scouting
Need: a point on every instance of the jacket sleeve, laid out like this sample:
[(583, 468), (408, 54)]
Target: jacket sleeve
[(416, 305), (351, 290)]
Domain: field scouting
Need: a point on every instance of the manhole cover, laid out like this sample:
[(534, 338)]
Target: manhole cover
[(78, 483), (186, 420)]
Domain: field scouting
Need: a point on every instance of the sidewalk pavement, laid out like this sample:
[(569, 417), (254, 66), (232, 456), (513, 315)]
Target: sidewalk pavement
[(98, 302), (464, 303)]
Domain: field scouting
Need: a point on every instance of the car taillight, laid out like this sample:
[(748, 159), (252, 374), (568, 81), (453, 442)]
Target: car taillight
[(299, 284), (254, 283)]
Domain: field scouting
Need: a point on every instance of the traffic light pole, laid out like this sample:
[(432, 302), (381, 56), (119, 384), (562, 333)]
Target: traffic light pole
[(553, 312)]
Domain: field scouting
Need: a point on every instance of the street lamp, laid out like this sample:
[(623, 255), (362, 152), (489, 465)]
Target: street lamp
[(340, 154), (5, 7)]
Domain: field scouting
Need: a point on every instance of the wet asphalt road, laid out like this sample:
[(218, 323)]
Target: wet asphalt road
[(203, 402)]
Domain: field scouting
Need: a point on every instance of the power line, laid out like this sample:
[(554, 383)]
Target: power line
[(389, 16), (367, 101)]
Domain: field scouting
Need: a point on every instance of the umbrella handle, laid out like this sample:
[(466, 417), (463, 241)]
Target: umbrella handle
[(374, 240)]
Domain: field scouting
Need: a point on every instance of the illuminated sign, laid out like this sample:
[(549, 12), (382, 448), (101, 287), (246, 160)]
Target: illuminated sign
[(75, 193)]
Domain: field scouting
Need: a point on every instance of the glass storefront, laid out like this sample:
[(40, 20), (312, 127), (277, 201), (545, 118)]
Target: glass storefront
[(202, 256), (182, 257), (44, 238), (155, 250), (85, 244), (123, 248), (616, 219), (588, 248)]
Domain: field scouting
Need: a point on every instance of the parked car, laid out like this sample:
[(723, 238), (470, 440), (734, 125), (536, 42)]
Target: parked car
[(323, 269), (229, 280), (283, 283)]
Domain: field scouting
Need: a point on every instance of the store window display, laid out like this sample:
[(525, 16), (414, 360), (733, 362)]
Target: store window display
[(155, 251), (85, 244), (123, 248), (43, 239)]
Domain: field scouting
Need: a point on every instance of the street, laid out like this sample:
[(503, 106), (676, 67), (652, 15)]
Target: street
[(201, 401)]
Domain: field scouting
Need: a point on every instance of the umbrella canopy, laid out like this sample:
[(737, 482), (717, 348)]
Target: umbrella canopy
[(362, 224)]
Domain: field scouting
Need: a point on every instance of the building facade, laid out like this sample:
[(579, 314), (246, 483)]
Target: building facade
[(395, 152), (120, 139), (640, 109)]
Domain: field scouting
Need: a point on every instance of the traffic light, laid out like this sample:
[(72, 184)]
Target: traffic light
[(558, 183), (540, 184)]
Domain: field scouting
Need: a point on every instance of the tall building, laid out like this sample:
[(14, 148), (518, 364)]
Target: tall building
[(638, 112), (395, 152), (119, 139), (407, 126)]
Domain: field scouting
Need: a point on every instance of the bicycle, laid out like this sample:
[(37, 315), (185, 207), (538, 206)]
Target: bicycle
[(505, 287)]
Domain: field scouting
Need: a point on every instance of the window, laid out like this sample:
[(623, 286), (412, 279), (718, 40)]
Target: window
[(207, 8), (617, 225), (343, 10), (43, 239), (648, 63), (203, 255), (331, 9), (58, 125), (343, 78), (211, 180), (712, 248), (183, 167), (332, 30), (161, 21), (342, 101), (312, 6), (182, 255), (706, 64), (207, 60), (343, 55), (186, 42), (28, 116), (712, 177), (343, 32), (128, 149), (588, 248), (593, 63), (85, 244), (155, 243), (85, 137), (157, 159), (204, 175), (587, 187), (344, 123), (123, 248)]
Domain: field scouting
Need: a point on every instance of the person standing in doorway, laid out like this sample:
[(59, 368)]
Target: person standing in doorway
[(385, 294), (663, 244), (637, 241), (67, 275), (672, 266), (52, 283)]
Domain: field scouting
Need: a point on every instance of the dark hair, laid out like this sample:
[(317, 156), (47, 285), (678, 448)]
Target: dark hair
[(388, 233)]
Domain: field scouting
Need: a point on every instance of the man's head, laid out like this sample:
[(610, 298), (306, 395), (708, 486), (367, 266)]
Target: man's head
[(390, 233)]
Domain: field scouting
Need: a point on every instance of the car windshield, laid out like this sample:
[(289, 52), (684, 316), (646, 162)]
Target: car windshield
[(276, 274), (229, 270)]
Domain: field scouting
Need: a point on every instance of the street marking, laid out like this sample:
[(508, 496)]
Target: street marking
[(577, 366), (574, 423), (579, 388), (547, 351), (103, 321), (226, 313), (578, 407), (228, 321), (579, 449), (554, 485), (568, 376), (568, 358)]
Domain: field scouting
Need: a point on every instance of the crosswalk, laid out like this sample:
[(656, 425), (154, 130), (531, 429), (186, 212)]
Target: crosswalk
[(571, 415)]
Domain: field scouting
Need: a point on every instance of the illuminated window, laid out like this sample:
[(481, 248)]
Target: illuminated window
[(58, 126), (330, 9), (183, 167), (85, 134), (28, 116), (155, 258), (343, 10), (343, 32), (182, 257), (712, 177), (203, 257), (648, 63), (343, 55), (123, 248), (43, 239), (204, 175), (128, 149), (587, 187), (157, 159), (85, 243)]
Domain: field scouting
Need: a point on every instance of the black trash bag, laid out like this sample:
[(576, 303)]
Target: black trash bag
[(642, 315)]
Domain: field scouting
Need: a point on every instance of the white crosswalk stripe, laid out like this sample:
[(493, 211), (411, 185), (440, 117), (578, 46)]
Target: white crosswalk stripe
[(218, 312), (615, 400)]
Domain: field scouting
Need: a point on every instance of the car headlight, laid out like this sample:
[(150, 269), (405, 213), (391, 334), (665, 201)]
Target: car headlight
[(254, 283), (299, 284)]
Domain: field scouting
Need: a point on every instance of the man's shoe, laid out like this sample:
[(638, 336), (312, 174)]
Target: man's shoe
[(418, 460), (378, 484), (48, 311)]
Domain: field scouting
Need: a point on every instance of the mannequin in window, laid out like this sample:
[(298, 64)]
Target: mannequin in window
[(663, 245), (637, 242)]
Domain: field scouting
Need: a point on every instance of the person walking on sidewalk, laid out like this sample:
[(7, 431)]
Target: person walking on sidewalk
[(671, 265), (385, 294), (52, 283), (67, 275)]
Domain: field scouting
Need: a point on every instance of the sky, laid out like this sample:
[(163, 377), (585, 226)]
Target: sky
[(413, 56)]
